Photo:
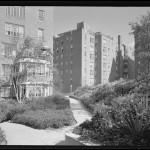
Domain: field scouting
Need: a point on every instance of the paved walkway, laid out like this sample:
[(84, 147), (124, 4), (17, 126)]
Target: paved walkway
[(17, 134)]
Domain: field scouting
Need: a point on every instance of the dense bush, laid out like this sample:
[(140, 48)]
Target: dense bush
[(51, 102), (126, 123), (40, 119), (52, 111), (8, 109)]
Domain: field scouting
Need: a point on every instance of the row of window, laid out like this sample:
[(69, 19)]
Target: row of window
[(19, 12), (91, 71), (67, 71), (57, 49), (16, 11), (66, 63), (37, 91), (67, 38), (14, 30), (38, 70), (19, 31)]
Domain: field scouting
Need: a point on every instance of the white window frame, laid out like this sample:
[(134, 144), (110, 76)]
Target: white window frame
[(41, 17)]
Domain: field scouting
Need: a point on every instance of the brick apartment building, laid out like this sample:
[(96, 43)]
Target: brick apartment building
[(78, 56), (104, 59), (20, 22), (125, 60), (74, 55)]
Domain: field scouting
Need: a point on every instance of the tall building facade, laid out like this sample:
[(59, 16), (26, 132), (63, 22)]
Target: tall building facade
[(74, 56), (104, 59), (20, 22), (125, 60)]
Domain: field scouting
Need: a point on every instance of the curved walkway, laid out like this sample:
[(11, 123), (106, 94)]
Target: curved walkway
[(17, 134)]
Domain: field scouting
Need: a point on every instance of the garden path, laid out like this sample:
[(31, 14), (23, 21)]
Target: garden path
[(17, 134)]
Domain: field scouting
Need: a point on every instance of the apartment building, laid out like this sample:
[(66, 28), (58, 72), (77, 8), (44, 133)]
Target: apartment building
[(20, 22), (129, 62), (125, 60), (104, 59), (74, 56)]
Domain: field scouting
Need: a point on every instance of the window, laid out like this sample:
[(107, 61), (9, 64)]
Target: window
[(91, 72), (57, 50), (104, 58), (71, 38), (91, 81), (56, 57), (104, 41), (61, 63), (91, 64), (7, 50), (104, 73), (92, 48), (41, 15), (61, 56), (91, 40), (14, 30), (5, 92), (67, 38), (61, 72), (71, 46), (62, 49), (104, 49), (8, 10), (16, 11), (84, 53), (104, 65), (91, 56), (37, 70), (22, 12), (36, 91), (6, 69), (70, 71), (41, 33), (62, 41)]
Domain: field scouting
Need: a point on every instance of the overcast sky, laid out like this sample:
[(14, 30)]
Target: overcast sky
[(113, 21)]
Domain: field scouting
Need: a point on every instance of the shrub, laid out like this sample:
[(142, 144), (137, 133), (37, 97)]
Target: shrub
[(126, 123), (8, 109), (2, 138), (40, 119), (51, 102)]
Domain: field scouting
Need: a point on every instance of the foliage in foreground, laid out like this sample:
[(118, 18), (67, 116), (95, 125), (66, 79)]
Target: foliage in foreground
[(52, 111), (125, 124), (2, 138), (40, 119)]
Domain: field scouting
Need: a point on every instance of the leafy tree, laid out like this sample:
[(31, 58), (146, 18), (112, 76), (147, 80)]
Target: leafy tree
[(141, 31), (29, 49)]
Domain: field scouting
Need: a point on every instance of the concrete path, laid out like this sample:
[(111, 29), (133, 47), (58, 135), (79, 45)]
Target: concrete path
[(17, 134)]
